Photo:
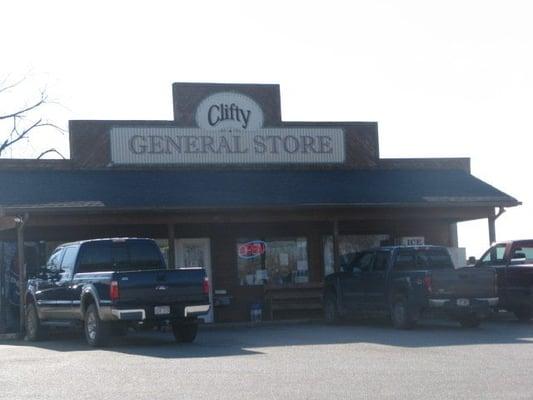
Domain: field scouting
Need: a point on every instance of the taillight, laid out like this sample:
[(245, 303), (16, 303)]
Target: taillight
[(113, 291), (427, 283), (205, 286)]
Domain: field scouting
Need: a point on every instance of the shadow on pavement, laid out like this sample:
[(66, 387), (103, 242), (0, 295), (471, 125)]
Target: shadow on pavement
[(246, 340)]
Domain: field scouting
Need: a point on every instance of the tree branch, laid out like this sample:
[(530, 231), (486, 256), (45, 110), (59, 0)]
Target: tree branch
[(6, 88), (20, 112), (51, 151)]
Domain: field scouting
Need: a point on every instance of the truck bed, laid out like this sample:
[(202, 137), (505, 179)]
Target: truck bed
[(467, 282)]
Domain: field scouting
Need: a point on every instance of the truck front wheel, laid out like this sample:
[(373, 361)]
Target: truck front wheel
[(401, 315), (185, 332), (96, 330), (34, 330)]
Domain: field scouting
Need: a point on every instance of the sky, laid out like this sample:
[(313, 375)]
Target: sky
[(441, 78)]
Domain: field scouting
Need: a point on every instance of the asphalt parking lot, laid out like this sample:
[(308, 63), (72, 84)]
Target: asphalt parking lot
[(287, 361)]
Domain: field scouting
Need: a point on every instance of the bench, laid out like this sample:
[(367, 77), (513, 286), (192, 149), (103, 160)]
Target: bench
[(301, 297)]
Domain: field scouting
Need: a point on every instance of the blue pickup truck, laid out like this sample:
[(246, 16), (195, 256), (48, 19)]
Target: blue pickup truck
[(107, 285), (408, 282)]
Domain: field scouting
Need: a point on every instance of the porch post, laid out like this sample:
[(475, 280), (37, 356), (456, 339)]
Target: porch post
[(453, 239), (336, 266), (492, 228), (171, 247), (20, 221)]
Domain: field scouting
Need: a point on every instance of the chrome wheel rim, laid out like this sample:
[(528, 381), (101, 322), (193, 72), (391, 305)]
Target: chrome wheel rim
[(399, 313), (91, 326)]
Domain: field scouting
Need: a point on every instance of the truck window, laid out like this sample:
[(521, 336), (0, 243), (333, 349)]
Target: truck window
[(523, 250), (144, 254), (494, 256), (433, 259), (127, 255), (54, 262), (69, 259), (363, 262), (405, 260), (381, 261), (95, 257)]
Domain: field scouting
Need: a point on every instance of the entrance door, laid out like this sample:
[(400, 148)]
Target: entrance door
[(196, 253)]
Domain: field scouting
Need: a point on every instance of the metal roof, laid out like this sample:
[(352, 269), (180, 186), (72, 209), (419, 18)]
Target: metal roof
[(197, 189)]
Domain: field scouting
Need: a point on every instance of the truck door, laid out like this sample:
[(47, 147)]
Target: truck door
[(495, 258), (46, 288), (519, 274), (374, 281), (64, 293), (352, 281)]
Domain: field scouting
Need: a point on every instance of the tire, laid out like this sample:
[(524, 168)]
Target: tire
[(524, 314), (96, 331), (470, 321), (331, 312), (401, 315), (185, 332), (34, 330)]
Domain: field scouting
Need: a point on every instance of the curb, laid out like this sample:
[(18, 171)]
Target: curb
[(8, 336), (248, 324)]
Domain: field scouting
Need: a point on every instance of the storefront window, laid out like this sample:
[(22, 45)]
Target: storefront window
[(349, 245), (274, 261)]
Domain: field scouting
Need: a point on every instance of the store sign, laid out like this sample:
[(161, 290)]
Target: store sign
[(230, 131), (251, 249), (413, 241), (169, 145), (229, 111)]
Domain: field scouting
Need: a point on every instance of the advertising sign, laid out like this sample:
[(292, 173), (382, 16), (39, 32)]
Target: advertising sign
[(251, 249), (229, 131)]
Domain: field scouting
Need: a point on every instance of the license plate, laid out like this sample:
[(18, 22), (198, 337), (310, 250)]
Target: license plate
[(463, 302), (161, 310)]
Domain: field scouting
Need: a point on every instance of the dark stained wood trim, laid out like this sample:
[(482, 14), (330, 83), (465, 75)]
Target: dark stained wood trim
[(451, 214)]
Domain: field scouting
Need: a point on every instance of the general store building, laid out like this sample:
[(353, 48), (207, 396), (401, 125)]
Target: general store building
[(267, 206)]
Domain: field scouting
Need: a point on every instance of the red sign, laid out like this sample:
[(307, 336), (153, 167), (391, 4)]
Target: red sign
[(252, 249)]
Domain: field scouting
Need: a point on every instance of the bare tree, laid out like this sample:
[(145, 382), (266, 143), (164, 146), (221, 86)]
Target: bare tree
[(24, 120)]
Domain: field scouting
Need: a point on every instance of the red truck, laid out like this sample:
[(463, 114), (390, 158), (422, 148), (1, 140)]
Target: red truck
[(513, 262)]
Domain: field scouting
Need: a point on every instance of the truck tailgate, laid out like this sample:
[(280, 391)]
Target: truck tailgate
[(164, 287), (465, 282)]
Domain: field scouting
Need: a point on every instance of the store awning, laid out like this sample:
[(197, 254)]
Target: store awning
[(204, 189)]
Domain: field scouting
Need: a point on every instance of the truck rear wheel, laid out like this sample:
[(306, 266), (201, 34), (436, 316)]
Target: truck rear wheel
[(185, 332), (331, 312), (470, 321), (524, 314), (96, 330), (34, 330), (401, 315)]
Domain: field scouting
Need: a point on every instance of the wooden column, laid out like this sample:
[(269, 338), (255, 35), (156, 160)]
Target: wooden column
[(492, 227), (171, 246), (336, 266), (453, 239), (22, 275)]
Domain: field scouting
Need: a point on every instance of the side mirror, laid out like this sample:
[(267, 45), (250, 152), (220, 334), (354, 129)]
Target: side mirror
[(518, 258), (471, 261)]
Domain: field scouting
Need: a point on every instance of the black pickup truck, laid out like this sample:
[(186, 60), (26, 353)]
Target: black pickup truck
[(407, 282), (513, 262), (106, 285)]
